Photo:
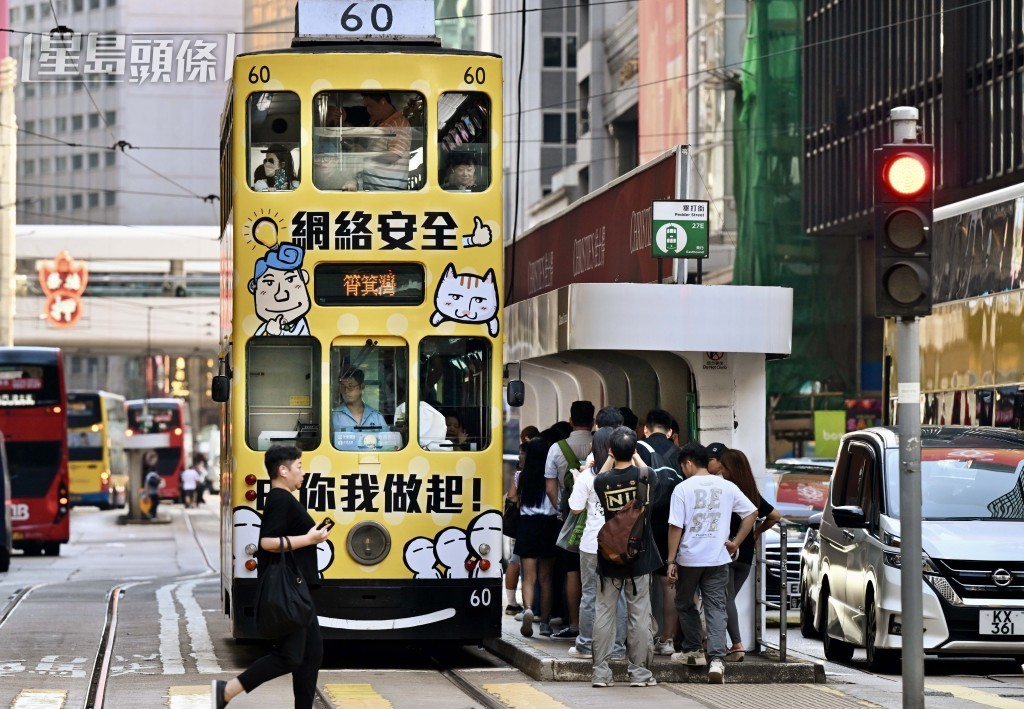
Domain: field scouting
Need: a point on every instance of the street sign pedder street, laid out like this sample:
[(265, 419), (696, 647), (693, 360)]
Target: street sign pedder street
[(679, 229)]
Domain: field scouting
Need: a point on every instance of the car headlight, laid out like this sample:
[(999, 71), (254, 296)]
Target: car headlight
[(894, 559)]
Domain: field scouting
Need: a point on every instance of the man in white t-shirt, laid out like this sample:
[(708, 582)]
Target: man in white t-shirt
[(699, 554)]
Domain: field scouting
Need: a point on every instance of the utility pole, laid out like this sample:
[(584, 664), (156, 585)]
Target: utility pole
[(8, 187), (903, 286)]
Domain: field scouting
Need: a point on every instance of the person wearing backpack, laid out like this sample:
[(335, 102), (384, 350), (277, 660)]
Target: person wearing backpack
[(560, 470), (662, 455), (627, 556), (701, 550)]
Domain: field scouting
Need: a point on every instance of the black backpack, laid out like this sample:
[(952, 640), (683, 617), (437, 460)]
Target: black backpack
[(666, 468)]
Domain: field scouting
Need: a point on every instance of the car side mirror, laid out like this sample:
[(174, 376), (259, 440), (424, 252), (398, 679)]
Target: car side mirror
[(220, 390), (814, 521), (515, 393), (850, 516)]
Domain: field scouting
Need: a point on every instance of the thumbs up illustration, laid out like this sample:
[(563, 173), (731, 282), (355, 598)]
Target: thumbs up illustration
[(481, 235)]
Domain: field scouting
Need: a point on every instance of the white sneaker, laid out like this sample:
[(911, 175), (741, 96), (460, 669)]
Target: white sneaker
[(580, 654), (692, 658), (664, 647), (649, 682), (527, 627), (716, 671)]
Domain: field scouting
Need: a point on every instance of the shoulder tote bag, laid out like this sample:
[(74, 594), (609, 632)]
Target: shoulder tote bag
[(283, 601)]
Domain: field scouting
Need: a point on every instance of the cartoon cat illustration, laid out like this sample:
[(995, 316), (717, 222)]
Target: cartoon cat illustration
[(466, 298)]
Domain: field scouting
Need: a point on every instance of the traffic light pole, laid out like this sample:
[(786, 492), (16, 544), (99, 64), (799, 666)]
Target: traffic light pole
[(909, 425), (908, 352)]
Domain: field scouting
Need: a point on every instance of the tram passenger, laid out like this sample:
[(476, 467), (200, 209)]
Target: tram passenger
[(300, 653), (353, 413), (456, 432), (277, 173), (388, 169), (461, 175)]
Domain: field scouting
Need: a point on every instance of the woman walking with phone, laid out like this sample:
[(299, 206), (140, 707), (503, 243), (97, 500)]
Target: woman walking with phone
[(301, 652)]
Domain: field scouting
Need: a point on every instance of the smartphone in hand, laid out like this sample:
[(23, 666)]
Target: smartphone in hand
[(326, 522)]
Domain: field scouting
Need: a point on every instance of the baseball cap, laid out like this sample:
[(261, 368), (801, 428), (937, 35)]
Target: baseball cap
[(715, 450)]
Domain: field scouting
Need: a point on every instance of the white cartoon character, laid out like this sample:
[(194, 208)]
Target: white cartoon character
[(281, 290), (324, 556), (485, 531), (481, 235), (450, 548), (247, 522), (420, 559), (466, 298)]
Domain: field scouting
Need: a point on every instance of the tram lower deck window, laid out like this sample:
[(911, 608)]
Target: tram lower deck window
[(369, 394), (283, 392)]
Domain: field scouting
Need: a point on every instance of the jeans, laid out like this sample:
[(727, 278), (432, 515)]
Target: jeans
[(639, 627), (712, 582), (588, 578)]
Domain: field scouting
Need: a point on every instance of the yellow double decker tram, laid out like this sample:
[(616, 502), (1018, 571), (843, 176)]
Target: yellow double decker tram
[(362, 318)]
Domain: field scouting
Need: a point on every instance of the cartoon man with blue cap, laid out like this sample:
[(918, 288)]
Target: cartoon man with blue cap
[(280, 287)]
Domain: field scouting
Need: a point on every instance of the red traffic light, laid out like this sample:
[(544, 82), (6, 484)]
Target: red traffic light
[(906, 174)]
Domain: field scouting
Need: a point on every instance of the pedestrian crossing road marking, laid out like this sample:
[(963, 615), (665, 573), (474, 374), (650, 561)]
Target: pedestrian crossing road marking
[(194, 697), (977, 696), (40, 699), (356, 696), (517, 694)]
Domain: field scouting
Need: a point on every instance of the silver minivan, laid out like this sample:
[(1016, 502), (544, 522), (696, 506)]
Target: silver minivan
[(972, 536)]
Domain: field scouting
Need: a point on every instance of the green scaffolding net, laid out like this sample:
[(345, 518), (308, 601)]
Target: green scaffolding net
[(772, 249)]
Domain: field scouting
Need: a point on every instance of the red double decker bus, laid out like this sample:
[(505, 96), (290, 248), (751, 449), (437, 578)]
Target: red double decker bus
[(33, 419), (163, 425)]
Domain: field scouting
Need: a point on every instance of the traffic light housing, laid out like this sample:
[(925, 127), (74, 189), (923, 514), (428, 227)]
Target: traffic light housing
[(903, 183)]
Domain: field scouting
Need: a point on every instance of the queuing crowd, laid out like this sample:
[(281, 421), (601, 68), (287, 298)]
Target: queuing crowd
[(701, 512)]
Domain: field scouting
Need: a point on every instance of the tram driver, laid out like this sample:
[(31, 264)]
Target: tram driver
[(353, 414)]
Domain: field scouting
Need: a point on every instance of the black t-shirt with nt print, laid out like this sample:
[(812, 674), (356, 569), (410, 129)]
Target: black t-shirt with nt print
[(615, 489), (285, 516)]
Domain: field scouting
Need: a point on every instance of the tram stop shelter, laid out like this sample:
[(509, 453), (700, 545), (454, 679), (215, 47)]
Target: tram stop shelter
[(586, 320)]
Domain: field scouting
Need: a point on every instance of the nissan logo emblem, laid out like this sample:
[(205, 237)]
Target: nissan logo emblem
[(1002, 577)]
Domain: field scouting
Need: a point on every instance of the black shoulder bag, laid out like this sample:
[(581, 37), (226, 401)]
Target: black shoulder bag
[(283, 601)]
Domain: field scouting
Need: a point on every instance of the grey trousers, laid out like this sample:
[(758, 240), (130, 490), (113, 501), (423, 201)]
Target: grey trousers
[(639, 627), (713, 582), (588, 578)]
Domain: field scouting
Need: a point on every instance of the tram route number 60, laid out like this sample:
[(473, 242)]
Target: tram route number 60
[(381, 17), (480, 598)]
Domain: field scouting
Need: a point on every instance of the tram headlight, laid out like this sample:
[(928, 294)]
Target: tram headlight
[(250, 479), (250, 549), (368, 543), (250, 495), (250, 565), (484, 550)]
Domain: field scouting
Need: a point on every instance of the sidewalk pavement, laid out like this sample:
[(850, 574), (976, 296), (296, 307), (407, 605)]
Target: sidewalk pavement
[(545, 659)]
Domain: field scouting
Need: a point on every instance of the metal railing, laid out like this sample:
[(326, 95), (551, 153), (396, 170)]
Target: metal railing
[(782, 564)]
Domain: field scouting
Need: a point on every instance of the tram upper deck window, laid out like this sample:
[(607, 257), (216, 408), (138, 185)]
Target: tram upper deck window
[(368, 141), (368, 394), (455, 385), (464, 138), (273, 149), (283, 392)]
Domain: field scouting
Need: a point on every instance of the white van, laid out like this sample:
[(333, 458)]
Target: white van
[(972, 537)]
